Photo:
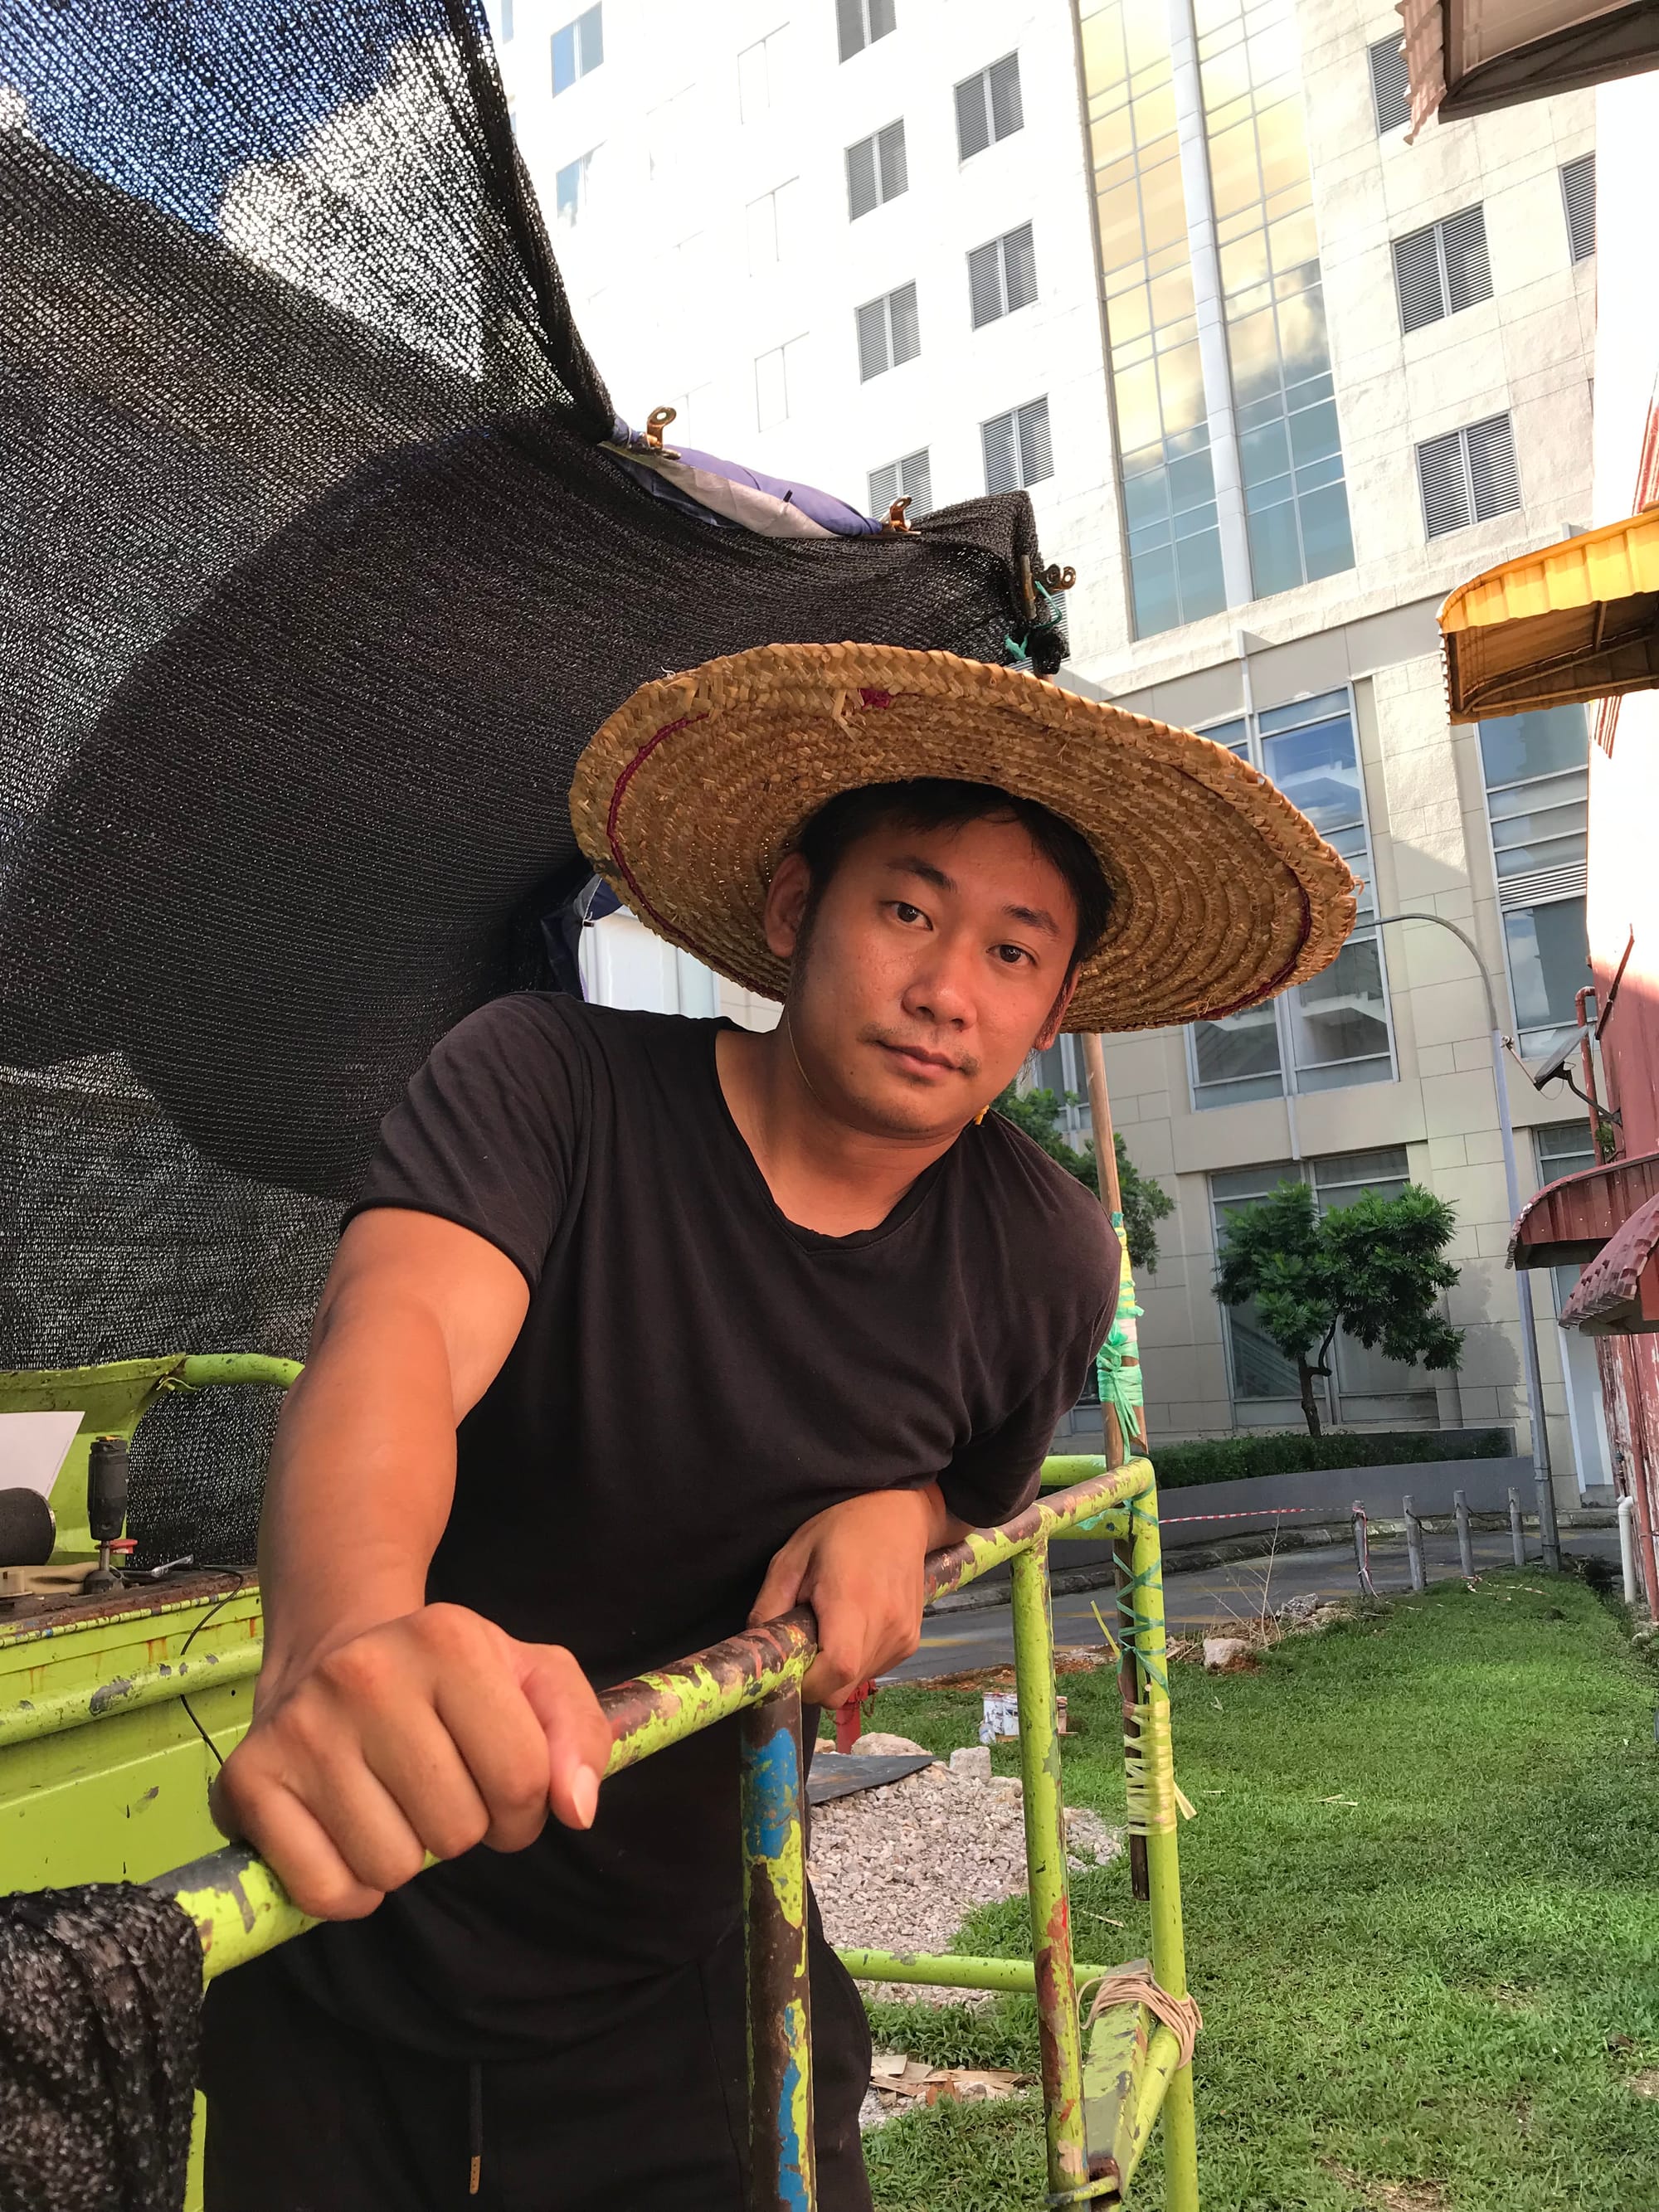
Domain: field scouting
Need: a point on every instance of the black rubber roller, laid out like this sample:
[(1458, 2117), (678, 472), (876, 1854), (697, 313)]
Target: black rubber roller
[(27, 1528)]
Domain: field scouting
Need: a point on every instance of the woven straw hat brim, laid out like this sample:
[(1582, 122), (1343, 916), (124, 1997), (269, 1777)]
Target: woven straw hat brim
[(692, 792)]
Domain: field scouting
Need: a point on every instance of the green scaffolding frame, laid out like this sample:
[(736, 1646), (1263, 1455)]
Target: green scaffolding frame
[(1101, 2104), (1106, 2080)]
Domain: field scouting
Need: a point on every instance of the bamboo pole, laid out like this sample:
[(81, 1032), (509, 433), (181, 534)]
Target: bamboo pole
[(1060, 2031), (1117, 1444), (1164, 1853)]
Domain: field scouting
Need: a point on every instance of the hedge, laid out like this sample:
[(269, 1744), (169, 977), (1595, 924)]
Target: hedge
[(1293, 1451)]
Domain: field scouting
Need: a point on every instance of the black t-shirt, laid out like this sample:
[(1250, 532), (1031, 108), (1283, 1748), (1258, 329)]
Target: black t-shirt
[(695, 1376)]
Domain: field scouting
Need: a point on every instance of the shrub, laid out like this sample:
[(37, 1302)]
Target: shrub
[(1290, 1451)]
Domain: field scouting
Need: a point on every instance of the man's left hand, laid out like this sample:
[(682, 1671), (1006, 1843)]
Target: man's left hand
[(858, 1566)]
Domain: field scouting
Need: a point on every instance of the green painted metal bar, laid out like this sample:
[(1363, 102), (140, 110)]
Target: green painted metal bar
[(1164, 1858), (203, 1371), (782, 2156), (946, 1971), (1059, 2030), (655, 1710), (29, 1719), (958, 1564), (240, 1909), (1161, 2071)]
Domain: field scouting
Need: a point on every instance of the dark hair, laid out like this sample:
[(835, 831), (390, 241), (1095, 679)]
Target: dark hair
[(939, 803)]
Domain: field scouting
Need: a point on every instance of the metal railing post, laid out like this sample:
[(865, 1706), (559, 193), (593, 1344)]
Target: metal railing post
[(1548, 1534), (1164, 1852), (1627, 1548), (1517, 1535), (1465, 1541), (1415, 1543), (1060, 2031), (1362, 1551), (782, 2173)]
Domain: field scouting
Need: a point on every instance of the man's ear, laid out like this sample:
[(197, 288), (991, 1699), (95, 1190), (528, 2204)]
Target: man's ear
[(787, 897), (1050, 1028)]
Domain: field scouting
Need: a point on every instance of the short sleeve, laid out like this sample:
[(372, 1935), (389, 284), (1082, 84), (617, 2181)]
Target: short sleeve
[(995, 1475), (487, 1134)]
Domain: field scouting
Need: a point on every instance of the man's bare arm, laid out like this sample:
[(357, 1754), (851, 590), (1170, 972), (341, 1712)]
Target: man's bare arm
[(385, 1728), (415, 1322)]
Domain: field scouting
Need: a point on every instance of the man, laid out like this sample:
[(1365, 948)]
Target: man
[(645, 1327)]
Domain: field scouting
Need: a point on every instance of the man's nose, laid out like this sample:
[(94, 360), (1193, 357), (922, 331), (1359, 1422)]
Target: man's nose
[(941, 990)]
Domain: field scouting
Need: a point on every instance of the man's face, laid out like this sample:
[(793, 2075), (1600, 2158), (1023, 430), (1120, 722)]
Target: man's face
[(934, 961)]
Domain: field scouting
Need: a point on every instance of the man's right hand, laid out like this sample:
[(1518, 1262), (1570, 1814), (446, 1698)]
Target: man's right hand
[(425, 1734)]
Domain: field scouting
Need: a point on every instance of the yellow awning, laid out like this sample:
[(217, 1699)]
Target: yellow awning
[(1576, 620)]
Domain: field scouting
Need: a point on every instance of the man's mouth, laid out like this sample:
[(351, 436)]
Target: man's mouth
[(916, 1058)]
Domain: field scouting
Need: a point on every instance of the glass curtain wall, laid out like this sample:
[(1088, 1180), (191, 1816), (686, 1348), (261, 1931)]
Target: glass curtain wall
[(1289, 453), (1332, 1030), (1158, 381)]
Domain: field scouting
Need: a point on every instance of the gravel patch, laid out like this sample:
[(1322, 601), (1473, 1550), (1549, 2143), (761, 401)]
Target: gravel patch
[(900, 1869)]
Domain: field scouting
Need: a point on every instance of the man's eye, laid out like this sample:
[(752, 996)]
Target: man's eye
[(905, 911), (1011, 955)]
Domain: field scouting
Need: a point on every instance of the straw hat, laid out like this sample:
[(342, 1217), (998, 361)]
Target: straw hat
[(692, 792)]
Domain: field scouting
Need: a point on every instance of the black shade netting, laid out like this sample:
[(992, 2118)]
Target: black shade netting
[(313, 581), (98, 2037)]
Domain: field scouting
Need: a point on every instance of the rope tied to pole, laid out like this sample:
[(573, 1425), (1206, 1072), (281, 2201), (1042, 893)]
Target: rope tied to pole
[(1150, 1792), (1118, 1372), (1135, 1627), (1135, 1985)]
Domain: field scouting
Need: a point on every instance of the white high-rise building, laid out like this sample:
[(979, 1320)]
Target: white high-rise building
[(1275, 380)]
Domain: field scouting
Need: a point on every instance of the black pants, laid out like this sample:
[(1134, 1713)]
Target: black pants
[(306, 2115)]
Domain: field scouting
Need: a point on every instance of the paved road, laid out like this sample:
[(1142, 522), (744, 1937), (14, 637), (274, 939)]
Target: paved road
[(1200, 1596)]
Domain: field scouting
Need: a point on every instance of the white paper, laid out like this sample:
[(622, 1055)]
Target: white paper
[(32, 1447)]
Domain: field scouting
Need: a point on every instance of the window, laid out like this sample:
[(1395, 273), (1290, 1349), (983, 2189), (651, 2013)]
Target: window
[(1366, 1385), (889, 332), (777, 383), (757, 74), (1578, 195), (1546, 947), (1002, 276), (1019, 450), (771, 225), (1536, 770), (1443, 270), (875, 171), (570, 189), (989, 108), (859, 23), (912, 478), (1332, 1031), (578, 48), (1563, 1148), (1468, 476), (1391, 90)]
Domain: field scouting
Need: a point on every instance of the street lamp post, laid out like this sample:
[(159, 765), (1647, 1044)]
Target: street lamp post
[(1540, 1447)]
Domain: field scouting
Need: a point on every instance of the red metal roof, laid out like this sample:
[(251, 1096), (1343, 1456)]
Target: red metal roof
[(1572, 1219), (1618, 1293)]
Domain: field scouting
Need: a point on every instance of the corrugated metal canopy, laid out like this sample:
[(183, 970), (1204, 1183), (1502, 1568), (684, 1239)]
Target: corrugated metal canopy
[(1576, 620), (1618, 1293), (1570, 1220), (1465, 57)]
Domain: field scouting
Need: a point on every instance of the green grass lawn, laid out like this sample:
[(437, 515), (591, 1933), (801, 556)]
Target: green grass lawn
[(1422, 1900)]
